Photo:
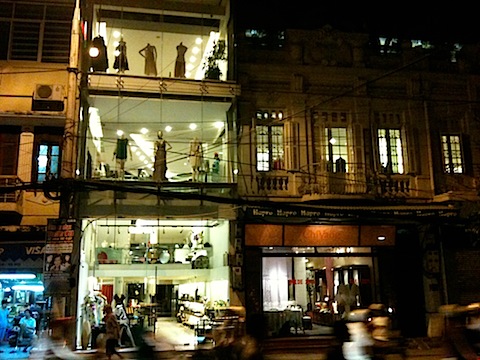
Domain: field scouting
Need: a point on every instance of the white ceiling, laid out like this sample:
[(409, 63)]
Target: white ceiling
[(132, 114)]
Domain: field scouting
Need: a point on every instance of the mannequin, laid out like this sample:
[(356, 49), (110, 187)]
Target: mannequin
[(99, 63), (121, 154), (161, 148), (119, 300), (180, 61), (121, 61), (196, 158), (149, 52), (122, 318)]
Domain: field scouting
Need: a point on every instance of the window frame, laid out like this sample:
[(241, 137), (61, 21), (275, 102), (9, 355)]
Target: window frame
[(269, 141), (448, 154), (391, 150), (335, 153), (39, 36), (50, 137), (10, 143)]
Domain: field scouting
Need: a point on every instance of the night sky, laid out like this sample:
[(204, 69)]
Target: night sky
[(415, 22)]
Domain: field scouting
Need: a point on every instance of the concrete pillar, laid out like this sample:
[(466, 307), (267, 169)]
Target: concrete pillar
[(24, 170)]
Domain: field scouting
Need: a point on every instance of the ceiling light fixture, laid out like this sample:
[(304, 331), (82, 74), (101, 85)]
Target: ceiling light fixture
[(36, 288), (17, 276)]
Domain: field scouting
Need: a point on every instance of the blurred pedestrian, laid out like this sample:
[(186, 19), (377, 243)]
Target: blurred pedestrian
[(112, 332), (4, 324)]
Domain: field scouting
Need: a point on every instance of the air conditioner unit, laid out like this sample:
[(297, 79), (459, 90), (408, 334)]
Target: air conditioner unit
[(49, 92)]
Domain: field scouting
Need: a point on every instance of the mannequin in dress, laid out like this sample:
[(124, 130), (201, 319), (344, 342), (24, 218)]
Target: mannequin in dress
[(121, 61), (180, 61), (100, 62), (196, 158), (161, 148), (149, 52), (121, 154)]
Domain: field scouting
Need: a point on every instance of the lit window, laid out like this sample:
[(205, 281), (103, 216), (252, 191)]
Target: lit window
[(336, 149), (390, 151), (452, 154), (270, 141), (48, 162)]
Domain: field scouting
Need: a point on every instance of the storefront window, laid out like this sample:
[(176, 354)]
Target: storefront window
[(320, 283), (163, 44), (163, 140), (154, 267)]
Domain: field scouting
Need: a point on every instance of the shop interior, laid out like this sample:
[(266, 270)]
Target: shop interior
[(139, 120), (311, 287), (152, 268), (166, 32), (22, 291), (184, 126)]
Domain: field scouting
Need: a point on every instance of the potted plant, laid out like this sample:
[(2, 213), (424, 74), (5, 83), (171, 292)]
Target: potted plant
[(211, 67)]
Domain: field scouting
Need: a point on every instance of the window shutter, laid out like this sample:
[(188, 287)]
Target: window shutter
[(467, 155), (291, 145)]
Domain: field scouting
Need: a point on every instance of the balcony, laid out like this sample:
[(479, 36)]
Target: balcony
[(126, 198), (100, 83), (273, 184), (11, 202)]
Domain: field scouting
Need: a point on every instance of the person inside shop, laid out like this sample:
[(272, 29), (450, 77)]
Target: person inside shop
[(160, 166), (28, 329), (216, 168), (112, 331), (121, 153), (4, 323)]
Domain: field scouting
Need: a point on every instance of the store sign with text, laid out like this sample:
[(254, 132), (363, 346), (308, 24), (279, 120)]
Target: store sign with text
[(58, 255)]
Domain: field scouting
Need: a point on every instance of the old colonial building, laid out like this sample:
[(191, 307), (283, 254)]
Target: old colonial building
[(362, 151)]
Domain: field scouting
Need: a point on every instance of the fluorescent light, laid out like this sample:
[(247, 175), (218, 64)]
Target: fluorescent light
[(36, 288), (17, 276)]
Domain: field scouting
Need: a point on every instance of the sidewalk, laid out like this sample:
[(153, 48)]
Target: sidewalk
[(418, 348)]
